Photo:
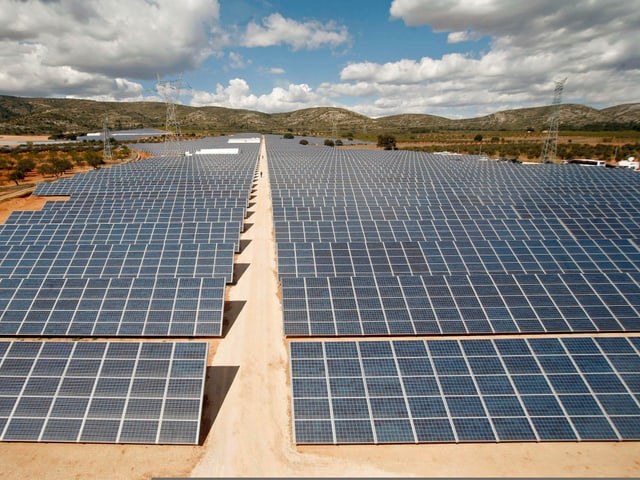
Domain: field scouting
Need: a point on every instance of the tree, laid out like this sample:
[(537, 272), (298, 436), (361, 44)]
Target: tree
[(388, 142), (124, 151), (93, 159), (338, 143), (288, 136), (77, 159), (60, 165), (304, 141), (329, 143), (16, 176), (25, 165), (477, 138), (45, 169), (6, 164)]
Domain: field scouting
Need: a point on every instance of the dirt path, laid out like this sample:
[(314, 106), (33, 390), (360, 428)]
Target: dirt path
[(252, 434)]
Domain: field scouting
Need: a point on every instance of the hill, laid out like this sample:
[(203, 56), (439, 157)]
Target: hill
[(33, 116)]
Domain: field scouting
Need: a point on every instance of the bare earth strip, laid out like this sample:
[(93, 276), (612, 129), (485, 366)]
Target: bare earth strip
[(247, 421)]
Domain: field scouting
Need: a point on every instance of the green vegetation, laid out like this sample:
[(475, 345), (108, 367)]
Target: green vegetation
[(54, 160), (386, 142), (531, 150), (93, 159)]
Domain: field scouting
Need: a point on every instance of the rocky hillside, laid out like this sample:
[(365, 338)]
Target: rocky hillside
[(24, 116)]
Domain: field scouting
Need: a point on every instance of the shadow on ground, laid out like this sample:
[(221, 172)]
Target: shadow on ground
[(217, 384), (232, 309), (238, 271)]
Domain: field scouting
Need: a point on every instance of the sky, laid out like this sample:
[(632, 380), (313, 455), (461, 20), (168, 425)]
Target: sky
[(453, 58)]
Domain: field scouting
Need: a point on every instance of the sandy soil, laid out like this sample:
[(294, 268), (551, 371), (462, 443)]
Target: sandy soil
[(12, 140), (247, 416), (31, 202)]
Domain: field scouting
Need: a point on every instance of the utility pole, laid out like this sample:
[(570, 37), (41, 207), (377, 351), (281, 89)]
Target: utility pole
[(334, 125), (550, 148), (107, 154)]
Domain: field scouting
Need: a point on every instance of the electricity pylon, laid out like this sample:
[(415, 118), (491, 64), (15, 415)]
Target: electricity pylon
[(170, 91), (550, 147), (334, 125), (107, 154)]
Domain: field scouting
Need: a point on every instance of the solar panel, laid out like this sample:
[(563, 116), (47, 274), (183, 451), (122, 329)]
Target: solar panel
[(174, 232), (112, 307), (128, 215), (318, 259), (472, 390), (197, 260), (102, 392), (460, 304)]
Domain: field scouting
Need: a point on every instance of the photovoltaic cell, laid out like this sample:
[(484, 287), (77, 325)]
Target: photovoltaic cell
[(102, 392)]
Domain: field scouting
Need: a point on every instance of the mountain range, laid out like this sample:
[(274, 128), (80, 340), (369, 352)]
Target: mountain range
[(50, 116)]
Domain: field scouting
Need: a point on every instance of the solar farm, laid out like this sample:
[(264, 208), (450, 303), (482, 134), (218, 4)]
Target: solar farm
[(464, 257), (359, 298), (142, 250)]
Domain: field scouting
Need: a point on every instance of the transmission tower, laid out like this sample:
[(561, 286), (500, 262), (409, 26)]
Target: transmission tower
[(550, 147), (107, 154), (170, 91), (334, 125)]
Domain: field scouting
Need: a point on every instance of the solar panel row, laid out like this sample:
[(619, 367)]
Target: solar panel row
[(461, 304), (67, 260), (99, 233), (505, 390), (102, 392), (108, 307), (448, 257), (132, 215)]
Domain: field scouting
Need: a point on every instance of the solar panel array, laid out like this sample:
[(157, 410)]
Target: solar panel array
[(139, 260), (461, 304), (379, 243), (143, 249), (107, 307), (133, 215), (161, 232), (132, 223), (101, 392), (389, 215), (503, 390)]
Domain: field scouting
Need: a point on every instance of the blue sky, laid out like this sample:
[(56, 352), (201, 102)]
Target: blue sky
[(455, 58)]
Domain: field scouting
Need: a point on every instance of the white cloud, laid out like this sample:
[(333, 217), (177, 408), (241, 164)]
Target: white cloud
[(277, 30), (464, 36), (83, 47), (276, 71), (238, 94), (237, 61), (532, 44)]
